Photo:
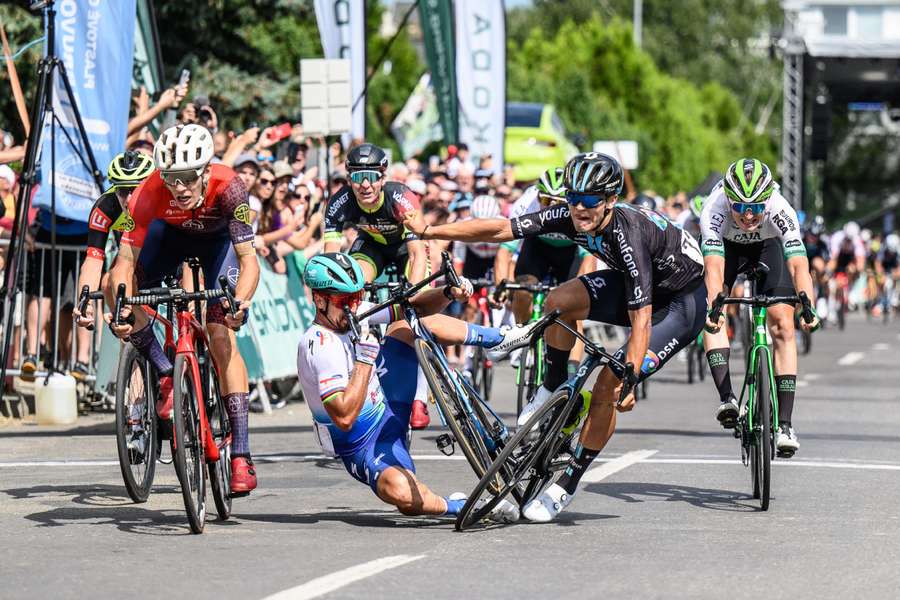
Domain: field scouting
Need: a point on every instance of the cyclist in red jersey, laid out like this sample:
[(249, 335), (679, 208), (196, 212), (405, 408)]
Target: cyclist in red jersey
[(189, 208)]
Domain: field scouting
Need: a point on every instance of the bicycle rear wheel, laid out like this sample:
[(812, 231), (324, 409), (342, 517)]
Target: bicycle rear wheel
[(443, 390), (527, 462), (188, 451), (761, 457), (487, 374), (220, 427), (524, 378), (136, 423)]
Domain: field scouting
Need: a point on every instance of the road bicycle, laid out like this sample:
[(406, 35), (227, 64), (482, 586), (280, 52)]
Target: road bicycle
[(758, 404), (482, 366), (201, 431), (542, 447), (696, 360)]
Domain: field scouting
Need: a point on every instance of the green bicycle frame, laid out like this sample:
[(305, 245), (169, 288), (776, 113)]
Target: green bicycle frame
[(760, 350)]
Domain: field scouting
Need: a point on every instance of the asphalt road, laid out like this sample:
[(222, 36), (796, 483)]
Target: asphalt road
[(669, 514)]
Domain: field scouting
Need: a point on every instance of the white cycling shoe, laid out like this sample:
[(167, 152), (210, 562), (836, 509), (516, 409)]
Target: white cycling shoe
[(537, 401), (545, 507), (513, 337), (504, 512), (786, 441)]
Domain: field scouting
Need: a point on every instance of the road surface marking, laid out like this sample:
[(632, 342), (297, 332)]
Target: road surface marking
[(881, 347), (334, 581), (802, 383), (779, 463), (615, 465), (851, 358), (812, 376)]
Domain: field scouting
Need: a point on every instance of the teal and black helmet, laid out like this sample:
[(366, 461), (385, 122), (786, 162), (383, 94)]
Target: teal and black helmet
[(748, 180), (594, 173), (334, 273), (550, 184)]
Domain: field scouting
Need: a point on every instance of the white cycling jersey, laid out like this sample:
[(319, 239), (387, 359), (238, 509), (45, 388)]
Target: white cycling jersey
[(324, 364), (841, 244), (717, 225)]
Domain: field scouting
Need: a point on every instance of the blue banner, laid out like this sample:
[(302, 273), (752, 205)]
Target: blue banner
[(95, 41)]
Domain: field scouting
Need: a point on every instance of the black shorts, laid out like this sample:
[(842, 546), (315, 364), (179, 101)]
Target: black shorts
[(39, 276), (541, 260), (739, 258), (380, 256), (676, 320), (476, 267)]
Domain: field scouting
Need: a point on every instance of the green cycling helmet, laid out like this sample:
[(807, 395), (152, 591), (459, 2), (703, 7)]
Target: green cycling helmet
[(748, 181), (550, 184), (334, 273), (129, 169), (697, 205)]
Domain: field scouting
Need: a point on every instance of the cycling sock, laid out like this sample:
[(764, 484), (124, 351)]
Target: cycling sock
[(421, 385), (578, 464), (786, 385), (718, 366), (238, 407), (454, 506), (557, 367), (148, 346), (479, 335)]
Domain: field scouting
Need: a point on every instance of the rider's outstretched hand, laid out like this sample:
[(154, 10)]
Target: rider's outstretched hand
[(464, 291)]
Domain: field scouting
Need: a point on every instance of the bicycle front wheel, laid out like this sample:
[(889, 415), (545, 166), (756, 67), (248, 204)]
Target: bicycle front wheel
[(527, 462), (136, 439), (220, 427), (444, 392), (761, 458), (188, 451)]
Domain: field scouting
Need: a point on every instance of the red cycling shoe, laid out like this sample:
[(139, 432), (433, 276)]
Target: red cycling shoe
[(164, 400), (419, 418), (243, 475)]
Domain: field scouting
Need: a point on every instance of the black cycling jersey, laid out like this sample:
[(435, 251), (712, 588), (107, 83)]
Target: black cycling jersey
[(655, 256), (383, 225), (106, 214), (889, 259), (815, 248)]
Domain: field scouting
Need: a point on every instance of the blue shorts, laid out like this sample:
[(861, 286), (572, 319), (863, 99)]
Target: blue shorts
[(386, 446)]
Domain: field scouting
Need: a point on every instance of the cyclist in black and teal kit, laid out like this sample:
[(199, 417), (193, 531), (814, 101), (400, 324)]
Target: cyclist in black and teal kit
[(376, 208)]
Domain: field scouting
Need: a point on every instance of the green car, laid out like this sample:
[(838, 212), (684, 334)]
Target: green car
[(535, 139)]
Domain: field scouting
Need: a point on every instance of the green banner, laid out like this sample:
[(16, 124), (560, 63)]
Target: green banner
[(436, 18)]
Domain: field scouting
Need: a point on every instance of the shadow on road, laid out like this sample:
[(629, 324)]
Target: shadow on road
[(104, 505), (367, 518), (711, 499)]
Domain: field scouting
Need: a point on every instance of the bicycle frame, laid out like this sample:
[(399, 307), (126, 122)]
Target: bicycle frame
[(760, 350)]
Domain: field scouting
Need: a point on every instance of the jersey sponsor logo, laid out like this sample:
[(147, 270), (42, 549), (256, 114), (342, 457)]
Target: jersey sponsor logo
[(99, 221), (194, 224), (594, 242), (784, 222), (668, 349), (553, 213), (651, 362), (627, 252), (232, 275), (638, 294), (242, 213), (716, 221), (95, 253), (332, 378), (793, 244), (323, 336), (745, 237), (595, 283), (712, 243), (337, 204)]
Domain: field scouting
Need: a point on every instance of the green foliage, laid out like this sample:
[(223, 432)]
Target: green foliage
[(605, 88), (21, 28)]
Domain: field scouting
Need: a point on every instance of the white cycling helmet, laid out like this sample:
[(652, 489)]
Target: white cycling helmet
[(851, 229), (892, 241), (183, 148), (485, 207), (866, 235)]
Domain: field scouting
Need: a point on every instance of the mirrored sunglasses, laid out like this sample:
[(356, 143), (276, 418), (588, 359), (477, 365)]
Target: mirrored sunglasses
[(585, 200), (350, 301), (754, 208), (185, 178), (358, 177)]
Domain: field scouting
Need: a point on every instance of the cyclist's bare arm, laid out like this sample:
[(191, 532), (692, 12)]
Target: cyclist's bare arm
[(714, 276), (249, 275), (475, 230), (418, 260), (798, 267), (344, 407)]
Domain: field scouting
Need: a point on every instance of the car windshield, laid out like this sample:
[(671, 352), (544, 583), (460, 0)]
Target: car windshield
[(524, 115)]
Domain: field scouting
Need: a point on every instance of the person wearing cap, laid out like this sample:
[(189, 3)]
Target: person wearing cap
[(247, 168)]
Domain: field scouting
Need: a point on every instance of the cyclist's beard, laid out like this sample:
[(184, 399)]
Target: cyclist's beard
[(336, 327)]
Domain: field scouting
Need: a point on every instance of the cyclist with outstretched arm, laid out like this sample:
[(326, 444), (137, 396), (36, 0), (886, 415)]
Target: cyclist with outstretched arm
[(746, 221), (192, 209), (654, 286)]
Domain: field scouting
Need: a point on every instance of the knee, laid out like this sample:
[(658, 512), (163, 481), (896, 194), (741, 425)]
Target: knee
[(557, 301), (782, 328), (221, 342), (604, 390)]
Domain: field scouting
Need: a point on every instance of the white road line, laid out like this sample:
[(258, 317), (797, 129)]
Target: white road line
[(881, 346), (60, 463), (778, 463), (615, 465), (334, 581), (851, 358), (812, 376)]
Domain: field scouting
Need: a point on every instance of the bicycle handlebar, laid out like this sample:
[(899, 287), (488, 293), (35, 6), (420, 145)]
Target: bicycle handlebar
[(806, 313), (154, 296), (532, 288), (86, 296)]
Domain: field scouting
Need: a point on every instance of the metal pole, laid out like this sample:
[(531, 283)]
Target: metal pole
[(638, 22)]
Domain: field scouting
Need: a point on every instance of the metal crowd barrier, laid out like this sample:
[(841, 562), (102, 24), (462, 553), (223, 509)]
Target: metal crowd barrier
[(67, 293)]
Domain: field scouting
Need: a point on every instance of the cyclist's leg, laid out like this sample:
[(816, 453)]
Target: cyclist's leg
[(531, 267), (581, 263), (369, 256)]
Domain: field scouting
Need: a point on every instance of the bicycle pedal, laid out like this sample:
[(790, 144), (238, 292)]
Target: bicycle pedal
[(444, 442), (233, 495), (736, 433), (784, 453)]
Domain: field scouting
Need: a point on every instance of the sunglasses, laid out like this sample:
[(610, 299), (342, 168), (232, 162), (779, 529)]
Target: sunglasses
[(266, 182), (350, 301), (585, 200), (755, 208), (262, 157), (359, 177), (185, 178), (302, 196)]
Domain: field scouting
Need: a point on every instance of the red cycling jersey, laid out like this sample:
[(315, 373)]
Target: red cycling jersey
[(224, 205)]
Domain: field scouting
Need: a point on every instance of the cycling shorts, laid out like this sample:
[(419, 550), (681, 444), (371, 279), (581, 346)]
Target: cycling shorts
[(379, 255), (477, 267), (676, 320), (541, 260), (739, 258), (386, 446), (167, 247)]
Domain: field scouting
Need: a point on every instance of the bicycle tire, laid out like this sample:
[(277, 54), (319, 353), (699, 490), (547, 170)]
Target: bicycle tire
[(690, 362), (188, 451), (525, 378), (513, 468), (444, 393), (487, 376), (764, 420), (220, 428), (138, 481)]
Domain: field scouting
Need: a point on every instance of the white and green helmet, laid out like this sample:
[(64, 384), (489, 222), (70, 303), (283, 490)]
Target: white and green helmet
[(551, 184), (748, 180)]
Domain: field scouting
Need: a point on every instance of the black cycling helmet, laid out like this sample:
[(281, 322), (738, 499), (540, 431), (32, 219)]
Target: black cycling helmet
[(644, 201), (129, 169), (366, 156), (594, 173)]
